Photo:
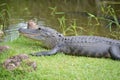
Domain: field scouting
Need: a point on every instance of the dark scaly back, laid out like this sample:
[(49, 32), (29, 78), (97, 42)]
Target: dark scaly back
[(92, 39), (54, 37)]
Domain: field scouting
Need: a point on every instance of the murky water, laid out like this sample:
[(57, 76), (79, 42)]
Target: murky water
[(49, 12)]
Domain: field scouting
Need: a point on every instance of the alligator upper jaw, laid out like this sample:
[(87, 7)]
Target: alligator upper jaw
[(26, 31), (29, 33)]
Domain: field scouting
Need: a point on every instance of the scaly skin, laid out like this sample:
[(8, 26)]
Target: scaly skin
[(92, 46)]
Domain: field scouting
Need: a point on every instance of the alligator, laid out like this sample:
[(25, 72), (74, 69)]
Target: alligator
[(90, 46)]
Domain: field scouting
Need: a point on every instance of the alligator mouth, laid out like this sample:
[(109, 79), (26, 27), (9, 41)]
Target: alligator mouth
[(31, 34), (28, 33)]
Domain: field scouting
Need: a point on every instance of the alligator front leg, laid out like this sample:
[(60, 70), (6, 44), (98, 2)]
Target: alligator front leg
[(46, 53)]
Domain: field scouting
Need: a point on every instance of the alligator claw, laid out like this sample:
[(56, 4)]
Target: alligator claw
[(32, 54), (40, 54), (36, 54)]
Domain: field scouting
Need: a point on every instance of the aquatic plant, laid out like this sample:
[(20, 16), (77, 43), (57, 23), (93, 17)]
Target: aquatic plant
[(62, 22), (110, 16), (4, 15)]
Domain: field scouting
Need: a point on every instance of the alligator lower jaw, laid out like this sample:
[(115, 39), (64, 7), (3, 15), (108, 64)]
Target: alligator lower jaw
[(27, 35), (30, 36)]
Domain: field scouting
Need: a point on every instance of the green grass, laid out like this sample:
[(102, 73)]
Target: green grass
[(59, 66)]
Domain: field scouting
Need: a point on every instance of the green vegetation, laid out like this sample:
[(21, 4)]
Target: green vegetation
[(95, 24), (67, 19), (4, 15), (71, 30), (59, 66), (112, 18)]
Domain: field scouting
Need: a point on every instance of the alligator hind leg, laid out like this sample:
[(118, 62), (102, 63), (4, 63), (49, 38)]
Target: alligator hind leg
[(115, 52)]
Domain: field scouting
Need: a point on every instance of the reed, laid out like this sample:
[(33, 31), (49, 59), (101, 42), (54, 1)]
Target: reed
[(4, 15)]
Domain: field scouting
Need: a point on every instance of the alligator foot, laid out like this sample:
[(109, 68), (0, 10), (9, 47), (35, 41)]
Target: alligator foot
[(44, 53)]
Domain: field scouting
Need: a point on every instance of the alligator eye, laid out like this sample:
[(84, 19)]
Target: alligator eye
[(39, 28), (59, 35)]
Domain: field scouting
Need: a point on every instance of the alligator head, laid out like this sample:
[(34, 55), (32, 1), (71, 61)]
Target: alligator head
[(41, 33), (45, 34)]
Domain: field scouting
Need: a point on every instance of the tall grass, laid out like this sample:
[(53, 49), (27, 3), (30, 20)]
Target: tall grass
[(72, 28), (62, 22), (110, 16), (4, 15)]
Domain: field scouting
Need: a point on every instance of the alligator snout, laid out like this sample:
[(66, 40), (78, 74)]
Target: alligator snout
[(20, 30), (23, 31), (30, 25), (28, 31)]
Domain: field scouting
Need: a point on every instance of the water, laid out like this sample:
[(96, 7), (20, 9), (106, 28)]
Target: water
[(12, 32), (47, 12)]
